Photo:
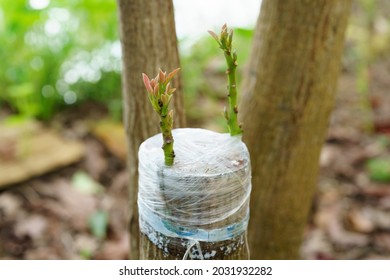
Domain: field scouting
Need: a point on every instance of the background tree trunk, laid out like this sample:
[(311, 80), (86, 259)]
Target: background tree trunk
[(149, 42), (288, 95)]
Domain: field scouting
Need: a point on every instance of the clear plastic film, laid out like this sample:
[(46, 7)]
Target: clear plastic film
[(203, 197)]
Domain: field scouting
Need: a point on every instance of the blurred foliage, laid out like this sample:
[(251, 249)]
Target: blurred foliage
[(368, 40), (368, 35), (98, 224), (379, 169), (83, 183), (56, 53)]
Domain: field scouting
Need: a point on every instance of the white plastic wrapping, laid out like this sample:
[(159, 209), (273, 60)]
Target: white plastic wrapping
[(204, 196)]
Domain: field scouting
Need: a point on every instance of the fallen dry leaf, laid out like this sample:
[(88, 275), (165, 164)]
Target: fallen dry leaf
[(41, 151), (329, 219), (329, 154), (376, 190), (10, 206), (72, 206), (380, 218), (85, 245), (344, 238), (113, 136), (360, 221), (382, 241), (117, 249), (316, 245), (95, 161), (33, 226), (42, 253), (384, 203)]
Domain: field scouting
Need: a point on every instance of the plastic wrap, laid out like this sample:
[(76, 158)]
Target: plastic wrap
[(203, 197)]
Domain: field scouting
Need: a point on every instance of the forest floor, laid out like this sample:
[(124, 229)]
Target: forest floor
[(80, 211), (350, 217)]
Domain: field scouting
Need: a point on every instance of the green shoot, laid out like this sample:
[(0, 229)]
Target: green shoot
[(225, 43), (160, 94)]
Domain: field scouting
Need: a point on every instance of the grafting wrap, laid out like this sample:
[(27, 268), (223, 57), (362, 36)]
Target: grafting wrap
[(204, 196)]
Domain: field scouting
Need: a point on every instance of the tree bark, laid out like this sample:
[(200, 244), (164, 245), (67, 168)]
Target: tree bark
[(148, 37), (288, 94)]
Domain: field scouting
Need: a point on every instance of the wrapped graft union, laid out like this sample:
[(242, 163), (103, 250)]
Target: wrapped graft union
[(199, 207)]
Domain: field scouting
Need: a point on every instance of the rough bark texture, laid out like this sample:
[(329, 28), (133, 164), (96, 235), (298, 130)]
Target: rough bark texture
[(149, 42), (288, 94)]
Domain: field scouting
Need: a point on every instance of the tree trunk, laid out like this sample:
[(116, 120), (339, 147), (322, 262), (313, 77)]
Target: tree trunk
[(149, 42), (288, 95)]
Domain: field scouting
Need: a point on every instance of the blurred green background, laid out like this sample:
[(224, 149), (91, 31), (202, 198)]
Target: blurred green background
[(56, 55), (59, 54)]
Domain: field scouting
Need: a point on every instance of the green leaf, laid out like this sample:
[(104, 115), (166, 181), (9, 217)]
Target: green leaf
[(82, 182), (379, 169), (98, 224), (86, 254)]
